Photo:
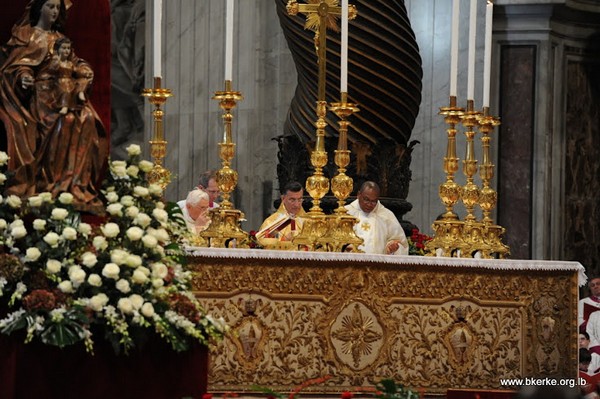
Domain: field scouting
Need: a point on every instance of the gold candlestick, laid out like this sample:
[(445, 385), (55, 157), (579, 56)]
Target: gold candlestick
[(342, 184), (470, 191), (448, 230), (317, 185), (449, 191), (224, 229), (157, 96), (341, 226), (488, 197)]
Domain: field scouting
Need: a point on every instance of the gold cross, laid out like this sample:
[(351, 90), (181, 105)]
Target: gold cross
[(318, 16), (366, 226)]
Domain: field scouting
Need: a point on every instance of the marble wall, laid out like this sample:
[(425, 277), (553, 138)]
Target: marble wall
[(193, 67)]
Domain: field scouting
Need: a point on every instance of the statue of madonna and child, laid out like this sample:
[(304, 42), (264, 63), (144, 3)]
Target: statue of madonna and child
[(54, 137)]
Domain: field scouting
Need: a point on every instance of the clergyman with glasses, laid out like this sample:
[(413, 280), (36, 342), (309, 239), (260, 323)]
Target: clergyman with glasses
[(286, 222), (377, 225), (208, 184)]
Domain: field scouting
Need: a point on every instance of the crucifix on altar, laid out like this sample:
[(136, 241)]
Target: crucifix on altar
[(317, 229)]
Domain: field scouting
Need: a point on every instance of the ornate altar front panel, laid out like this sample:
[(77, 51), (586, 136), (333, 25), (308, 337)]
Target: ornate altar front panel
[(431, 323)]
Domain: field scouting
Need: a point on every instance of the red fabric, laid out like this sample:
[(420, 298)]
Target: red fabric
[(39, 371), (88, 26)]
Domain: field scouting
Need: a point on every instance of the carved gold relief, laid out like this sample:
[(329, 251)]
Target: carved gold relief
[(423, 326), (357, 336)]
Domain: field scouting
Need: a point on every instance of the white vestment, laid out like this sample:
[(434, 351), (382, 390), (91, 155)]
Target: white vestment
[(593, 323), (193, 225), (377, 229)]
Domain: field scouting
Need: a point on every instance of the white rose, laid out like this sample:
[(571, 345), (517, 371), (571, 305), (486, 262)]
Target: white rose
[(142, 220), (95, 280), (158, 282), (161, 215), (140, 191), (39, 224), (132, 211), (66, 287), (84, 229), (134, 233), (3, 158), (159, 270), (127, 200), (2, 178), (149, 241), (98, 301), (115, 209), (133, 171), (133, 149), (35, 201), (88, 259), (123, 286), (111, 270), (118, 256), (17, 223), (18, 232), (77, 275), (159, 204), (125, 305), (32, 254), (59, 213), (53, 266), (69, 233), (51, 239), (100, 243), (3, 224), (148, 309), (13, 201), (133, 261), (139, 277), (155, 190), (144, 270), (145, 166), (137, 301), (110, 230), (112, 197), (119, 168), (46, 196), (65, 198), (160, 234)]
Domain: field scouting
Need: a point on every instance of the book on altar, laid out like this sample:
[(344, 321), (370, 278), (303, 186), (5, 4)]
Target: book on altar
[(275, 227), (588, 310)]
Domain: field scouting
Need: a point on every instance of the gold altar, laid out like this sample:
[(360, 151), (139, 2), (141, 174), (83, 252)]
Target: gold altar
[(430, 323)]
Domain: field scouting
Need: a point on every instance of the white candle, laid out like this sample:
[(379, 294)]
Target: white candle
[(454, 48), (344, 49), (471, 59), (229, 41), (487, 54), (157, 38)]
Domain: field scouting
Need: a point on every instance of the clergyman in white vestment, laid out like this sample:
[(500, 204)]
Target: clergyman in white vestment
[(377, 225)]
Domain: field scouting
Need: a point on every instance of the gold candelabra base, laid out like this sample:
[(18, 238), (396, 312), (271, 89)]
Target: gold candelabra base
[(465, 239), (340, 235), (224, 230), (314, 227)]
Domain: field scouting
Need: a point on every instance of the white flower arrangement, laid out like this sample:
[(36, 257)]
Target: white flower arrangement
[(64, 281)]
